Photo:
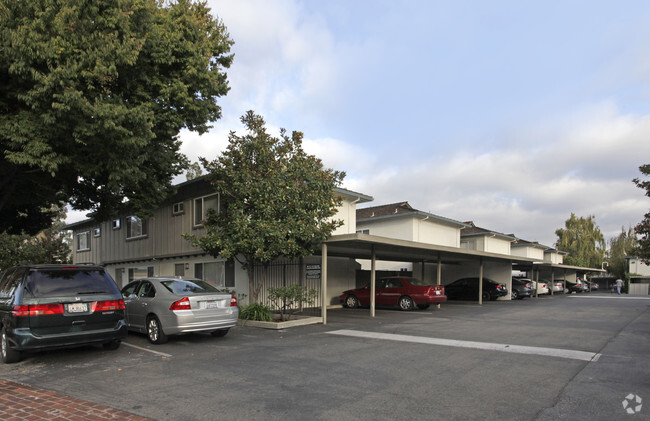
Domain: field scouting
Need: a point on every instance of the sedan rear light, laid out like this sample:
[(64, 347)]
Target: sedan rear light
[(543, 285), (107, 305), (436, 290), (233, 301), (37, 310), (182, 304)]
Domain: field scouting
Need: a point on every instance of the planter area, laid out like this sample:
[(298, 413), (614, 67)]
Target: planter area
[(278, 324)]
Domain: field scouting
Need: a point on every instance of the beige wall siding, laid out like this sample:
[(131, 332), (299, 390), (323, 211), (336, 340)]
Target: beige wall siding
[(414, 229), (532, 252)]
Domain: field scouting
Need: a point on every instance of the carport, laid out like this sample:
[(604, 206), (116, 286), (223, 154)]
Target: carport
[(375, 248), (562, 270)]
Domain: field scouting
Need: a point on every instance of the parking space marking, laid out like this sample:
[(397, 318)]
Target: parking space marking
[(616, 296), (148, 350), (517, 349)]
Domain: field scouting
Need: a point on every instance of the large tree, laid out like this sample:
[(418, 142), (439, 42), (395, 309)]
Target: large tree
[(582, 239), (276, 200), (49, 246), (643, 228), (619, 248), (93, 95)]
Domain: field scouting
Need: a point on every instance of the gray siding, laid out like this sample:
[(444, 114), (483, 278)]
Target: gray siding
[(164, 237)]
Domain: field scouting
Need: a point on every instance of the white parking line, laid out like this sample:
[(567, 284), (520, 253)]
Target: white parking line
[(148, 350), (517, 349), (616, 296)]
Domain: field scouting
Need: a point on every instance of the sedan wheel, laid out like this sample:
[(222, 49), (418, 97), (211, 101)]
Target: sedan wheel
[(514, 295), (486, 296), (155, 332), (406, 303), (351, 301), (8, 354)]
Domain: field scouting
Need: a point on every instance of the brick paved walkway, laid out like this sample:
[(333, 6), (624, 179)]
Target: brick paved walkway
[(19, 402)]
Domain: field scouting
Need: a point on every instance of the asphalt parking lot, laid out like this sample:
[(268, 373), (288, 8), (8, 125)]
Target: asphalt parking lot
[(583, 357)]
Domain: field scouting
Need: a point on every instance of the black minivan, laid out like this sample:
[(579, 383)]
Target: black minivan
[(58, 306)]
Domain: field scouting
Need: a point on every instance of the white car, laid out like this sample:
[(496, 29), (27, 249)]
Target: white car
[(558, 285), (541, 286)]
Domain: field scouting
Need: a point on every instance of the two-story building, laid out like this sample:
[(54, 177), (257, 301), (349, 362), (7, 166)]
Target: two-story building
[(131, 248)]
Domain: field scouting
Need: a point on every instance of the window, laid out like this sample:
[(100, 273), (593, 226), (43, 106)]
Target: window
[(135, 227), (202, 205), (146, 290), (141, 272), (116, 224), (97, 232), (363, 231), (83, 241), (468, 244), (178, 208), (214, 273)]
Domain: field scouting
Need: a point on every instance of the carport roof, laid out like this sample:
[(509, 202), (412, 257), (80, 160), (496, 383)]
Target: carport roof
[(360, 246)]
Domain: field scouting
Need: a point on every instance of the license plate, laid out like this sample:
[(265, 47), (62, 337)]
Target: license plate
[(77, 308), (211, 304)]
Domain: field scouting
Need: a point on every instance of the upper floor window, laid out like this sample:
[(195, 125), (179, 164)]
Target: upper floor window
[(363, 231), (202, 205), (135, 227), (178, 208), (116, 224), (83, 241), (97, 232)]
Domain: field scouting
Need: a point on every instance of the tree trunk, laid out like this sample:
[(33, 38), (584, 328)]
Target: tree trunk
[(254, 290)]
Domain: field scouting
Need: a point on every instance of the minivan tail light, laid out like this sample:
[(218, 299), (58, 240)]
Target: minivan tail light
[(233, 301), (107, 305), (37, 310), (182, 304)]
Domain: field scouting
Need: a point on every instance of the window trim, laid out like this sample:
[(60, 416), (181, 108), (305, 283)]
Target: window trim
[(196, 224), (178, 208), (78, 237)]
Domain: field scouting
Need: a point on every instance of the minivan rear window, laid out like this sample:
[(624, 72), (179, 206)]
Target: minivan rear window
[(57, 283)]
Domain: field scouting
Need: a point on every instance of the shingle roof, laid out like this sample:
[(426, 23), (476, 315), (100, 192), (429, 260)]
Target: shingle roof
[(399, 209), (472, 230)]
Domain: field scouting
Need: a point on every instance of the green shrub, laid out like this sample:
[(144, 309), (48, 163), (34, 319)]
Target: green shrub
[(291, 298), (256, 311)]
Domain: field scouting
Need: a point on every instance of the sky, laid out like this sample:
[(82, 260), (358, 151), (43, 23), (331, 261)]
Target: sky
[(509, 114)]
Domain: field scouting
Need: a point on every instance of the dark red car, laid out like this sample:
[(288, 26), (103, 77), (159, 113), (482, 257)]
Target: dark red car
[(401, 291)]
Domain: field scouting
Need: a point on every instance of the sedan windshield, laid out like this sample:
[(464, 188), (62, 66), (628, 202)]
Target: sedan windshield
[(184, 287)]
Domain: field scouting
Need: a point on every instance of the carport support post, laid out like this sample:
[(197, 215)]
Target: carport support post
[(323, 282), (439, 272), (480, 282), (372, 282)]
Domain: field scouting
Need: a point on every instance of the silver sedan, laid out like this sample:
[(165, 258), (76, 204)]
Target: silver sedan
[(164, 306)]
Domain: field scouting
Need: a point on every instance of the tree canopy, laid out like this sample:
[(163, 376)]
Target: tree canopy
[(92, 98), (276, 200), (643, 228), (619, 248), (582, 239)]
